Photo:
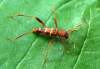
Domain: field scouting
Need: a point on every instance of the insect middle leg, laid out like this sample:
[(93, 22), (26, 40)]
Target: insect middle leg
[(55, 20)]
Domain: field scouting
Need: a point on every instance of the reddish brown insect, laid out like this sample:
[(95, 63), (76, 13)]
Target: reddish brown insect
[(46, 31)]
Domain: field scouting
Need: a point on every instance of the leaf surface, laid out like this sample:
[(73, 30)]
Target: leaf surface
[(79, 51)]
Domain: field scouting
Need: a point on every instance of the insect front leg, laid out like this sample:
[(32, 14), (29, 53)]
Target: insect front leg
[(19, 36)]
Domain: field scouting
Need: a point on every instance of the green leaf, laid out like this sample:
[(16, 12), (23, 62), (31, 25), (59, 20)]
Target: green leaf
[(31, 51)]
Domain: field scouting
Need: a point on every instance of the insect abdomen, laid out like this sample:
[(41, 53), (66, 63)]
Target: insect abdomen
[(51, 33)]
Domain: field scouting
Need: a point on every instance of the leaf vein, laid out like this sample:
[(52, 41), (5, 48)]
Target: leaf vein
[(27, 52), (78, 58)]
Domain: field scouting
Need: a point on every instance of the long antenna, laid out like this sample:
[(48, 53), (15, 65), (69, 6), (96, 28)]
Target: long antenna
[(33, 17)]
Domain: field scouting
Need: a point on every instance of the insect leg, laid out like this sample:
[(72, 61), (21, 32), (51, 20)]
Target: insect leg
[(23, 35), (75, 28), (19, 36), (65, 49), (55, 19), (46, 53), (33, 17)]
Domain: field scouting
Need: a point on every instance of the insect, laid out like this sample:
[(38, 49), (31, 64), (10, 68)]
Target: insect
[(46, 31), (50, 32)]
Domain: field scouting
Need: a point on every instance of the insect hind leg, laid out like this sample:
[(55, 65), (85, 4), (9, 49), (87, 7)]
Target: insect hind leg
[(46, 53)]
